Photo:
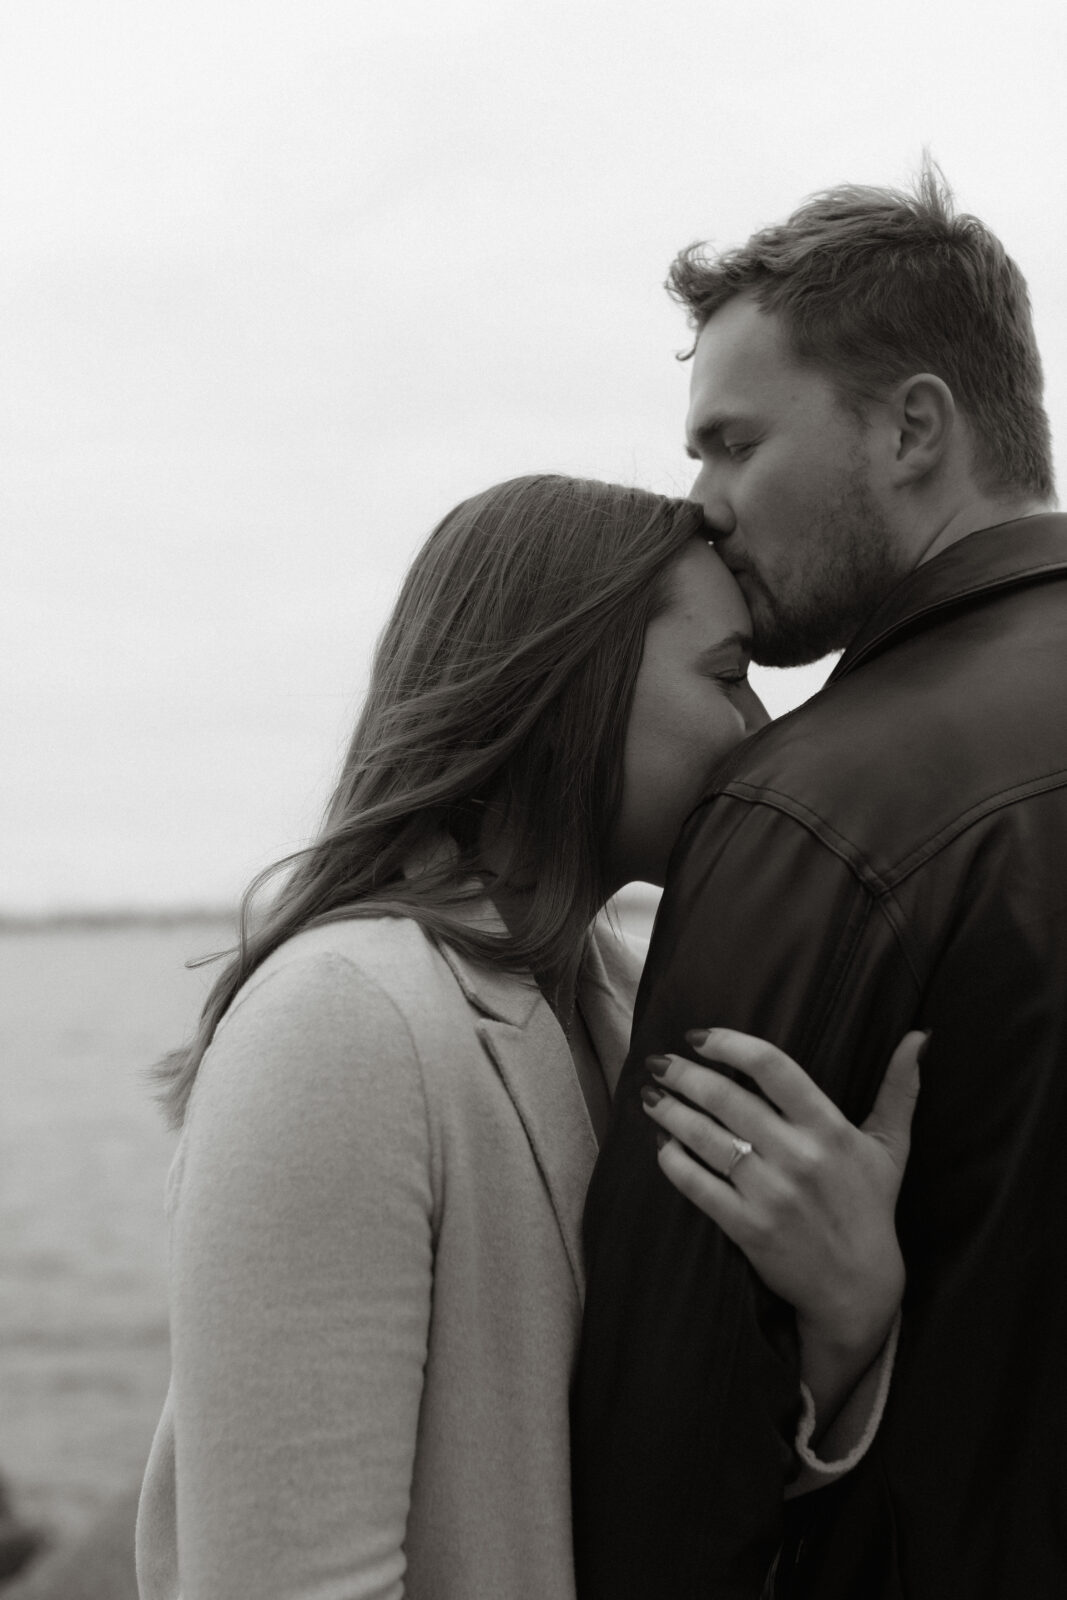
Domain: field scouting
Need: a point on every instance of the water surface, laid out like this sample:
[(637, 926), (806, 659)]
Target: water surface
[(83, 1157)]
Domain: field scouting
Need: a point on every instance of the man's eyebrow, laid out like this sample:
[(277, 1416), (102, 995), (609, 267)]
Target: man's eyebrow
[(724, 651)]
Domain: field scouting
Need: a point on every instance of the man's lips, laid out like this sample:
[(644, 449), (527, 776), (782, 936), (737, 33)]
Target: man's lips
[(738, 568), (749, 582), (728, 552), (733, 559)]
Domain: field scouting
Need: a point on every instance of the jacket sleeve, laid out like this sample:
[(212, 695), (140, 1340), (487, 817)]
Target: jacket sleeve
[(301, 1277), (687, 1394), (852, 1431)]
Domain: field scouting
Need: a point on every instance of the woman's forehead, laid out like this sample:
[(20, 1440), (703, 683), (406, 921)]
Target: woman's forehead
[(704, 594)]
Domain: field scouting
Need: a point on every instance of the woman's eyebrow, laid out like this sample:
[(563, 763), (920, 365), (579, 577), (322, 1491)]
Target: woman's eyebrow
[(724, 651)]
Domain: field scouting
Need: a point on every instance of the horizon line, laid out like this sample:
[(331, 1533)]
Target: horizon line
[(15, 920), (104, 916)]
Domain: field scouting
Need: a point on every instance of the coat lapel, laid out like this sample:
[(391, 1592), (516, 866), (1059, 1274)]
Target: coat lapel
[(522, 1038), (526, 1044), (538, 1073)]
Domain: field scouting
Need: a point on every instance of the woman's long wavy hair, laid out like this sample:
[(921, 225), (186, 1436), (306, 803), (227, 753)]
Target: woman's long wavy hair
[(502, 685)]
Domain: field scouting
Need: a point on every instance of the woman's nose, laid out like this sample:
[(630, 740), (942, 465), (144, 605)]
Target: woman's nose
[(753, 710)]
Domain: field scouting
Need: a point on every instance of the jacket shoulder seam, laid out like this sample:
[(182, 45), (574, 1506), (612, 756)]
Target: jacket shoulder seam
[(878, 889), (1045, 783)]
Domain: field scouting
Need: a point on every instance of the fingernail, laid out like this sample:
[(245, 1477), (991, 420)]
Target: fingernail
[(651, 1093), (696, 1037), (661, 1138), (657, 1065), (920, 1054)]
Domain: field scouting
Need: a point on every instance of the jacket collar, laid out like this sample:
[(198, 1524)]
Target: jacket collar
[(502, 996), (606, 988), (1029, 550), (520, 1033)]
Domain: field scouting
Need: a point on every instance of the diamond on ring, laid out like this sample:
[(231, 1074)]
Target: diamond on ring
[(741, 1149)]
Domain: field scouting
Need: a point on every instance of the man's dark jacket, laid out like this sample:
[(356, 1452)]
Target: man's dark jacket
[(892, 855)]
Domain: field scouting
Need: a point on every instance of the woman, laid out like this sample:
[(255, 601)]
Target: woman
[(392, 1105)]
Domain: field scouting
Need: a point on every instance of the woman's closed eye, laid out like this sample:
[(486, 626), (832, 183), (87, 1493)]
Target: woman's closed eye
[(726, 662), (733, 676)]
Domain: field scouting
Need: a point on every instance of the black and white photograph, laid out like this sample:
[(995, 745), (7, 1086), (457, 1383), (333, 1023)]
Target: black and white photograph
[(533, 894)]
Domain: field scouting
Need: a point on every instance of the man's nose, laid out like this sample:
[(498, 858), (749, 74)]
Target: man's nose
[(708, 493)]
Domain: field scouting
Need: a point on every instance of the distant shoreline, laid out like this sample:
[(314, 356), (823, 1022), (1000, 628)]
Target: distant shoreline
[(635, 896), (91, 921)]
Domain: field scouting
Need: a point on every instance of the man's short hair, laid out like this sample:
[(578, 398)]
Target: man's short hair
[(876, 284)]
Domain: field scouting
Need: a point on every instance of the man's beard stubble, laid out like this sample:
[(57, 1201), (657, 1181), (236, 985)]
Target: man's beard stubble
[(847, 563)]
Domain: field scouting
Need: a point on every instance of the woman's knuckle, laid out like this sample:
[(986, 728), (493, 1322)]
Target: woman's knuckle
[(783, 1203), (761, 1227), (703, 1143), (811, 1161)]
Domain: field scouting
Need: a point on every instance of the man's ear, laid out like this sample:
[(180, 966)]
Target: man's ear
[(924, 419)]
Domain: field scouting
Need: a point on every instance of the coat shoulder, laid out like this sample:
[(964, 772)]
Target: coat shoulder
[(391, 955)]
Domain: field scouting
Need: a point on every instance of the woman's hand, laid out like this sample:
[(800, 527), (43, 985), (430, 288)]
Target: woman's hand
[(807, 1196)]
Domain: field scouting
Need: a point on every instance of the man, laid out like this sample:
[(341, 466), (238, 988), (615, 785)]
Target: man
[(875, 469)]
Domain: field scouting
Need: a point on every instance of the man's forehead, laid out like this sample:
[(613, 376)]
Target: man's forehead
[(737, 346), (742, 363), (716, 401)]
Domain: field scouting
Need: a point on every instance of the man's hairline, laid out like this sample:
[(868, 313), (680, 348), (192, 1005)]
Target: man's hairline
[(850, 399), (853, 397)]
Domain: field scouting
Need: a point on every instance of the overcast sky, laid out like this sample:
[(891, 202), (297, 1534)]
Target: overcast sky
[(281, 283)]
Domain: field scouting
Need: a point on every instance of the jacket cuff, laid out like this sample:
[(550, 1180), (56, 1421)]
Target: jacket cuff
[(850, 1435)]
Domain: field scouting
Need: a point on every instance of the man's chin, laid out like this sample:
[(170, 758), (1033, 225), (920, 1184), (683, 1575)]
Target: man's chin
[(787, 652), (779, 641)]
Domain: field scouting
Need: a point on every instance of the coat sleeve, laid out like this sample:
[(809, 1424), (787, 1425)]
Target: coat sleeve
[(687, 1394), (301, 1277)]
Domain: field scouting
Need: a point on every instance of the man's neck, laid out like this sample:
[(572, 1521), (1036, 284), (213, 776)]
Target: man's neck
[(970, 518)]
